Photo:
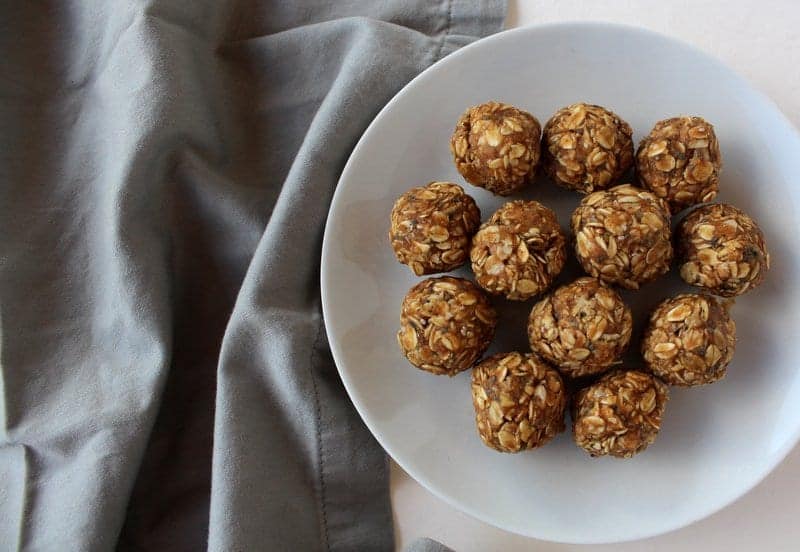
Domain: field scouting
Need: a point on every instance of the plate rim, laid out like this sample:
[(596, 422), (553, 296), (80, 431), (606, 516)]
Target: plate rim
[(336, 353)]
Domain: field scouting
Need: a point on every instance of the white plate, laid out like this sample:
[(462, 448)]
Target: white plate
[(716, 442)]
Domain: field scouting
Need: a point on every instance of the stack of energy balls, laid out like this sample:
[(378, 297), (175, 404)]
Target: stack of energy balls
[(621, 237)]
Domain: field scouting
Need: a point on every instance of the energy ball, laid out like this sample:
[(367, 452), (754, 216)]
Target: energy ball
[(496, 146), (690, 340), (620, 415), (519, 251), (446, 324), (583, 327), (722, 249), (519, 402), (622, 236), (586, 147), (432, 226), (680, 161)]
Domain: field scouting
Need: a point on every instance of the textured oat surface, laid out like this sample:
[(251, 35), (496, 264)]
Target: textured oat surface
[(582, 328), (446, 324), (680, 161), (519, 401), (622, 236), (586, 147), (620, 415), (431, 227), (722, 249), (496, 146), (519, 251), (690, 340)]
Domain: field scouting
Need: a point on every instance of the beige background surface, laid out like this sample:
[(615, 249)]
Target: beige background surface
[(760, 40)]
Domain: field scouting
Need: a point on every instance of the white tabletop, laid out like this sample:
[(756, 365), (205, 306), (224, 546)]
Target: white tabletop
[(760, 40)]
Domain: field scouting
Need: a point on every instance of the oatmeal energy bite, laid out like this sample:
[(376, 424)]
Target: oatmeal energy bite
[(519, 251), (519, 402), (582, 328), (680, 161), (622, 236), (496, 146), (690, 340), (586, 147), (722, 249), (620, 415), (431, 227), (446, 324)]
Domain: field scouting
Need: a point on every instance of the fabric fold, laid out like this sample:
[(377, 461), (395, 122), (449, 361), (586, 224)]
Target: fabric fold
[(167, 169)]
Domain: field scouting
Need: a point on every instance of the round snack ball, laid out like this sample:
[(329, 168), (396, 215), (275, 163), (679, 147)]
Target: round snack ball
[(583, 327), (622, 236), (432, 226), (519, 251), (690, 340), (680, 161), (496, 146), (586, 147), (722, 249), (519, 402), (620, 415), (446, 324)]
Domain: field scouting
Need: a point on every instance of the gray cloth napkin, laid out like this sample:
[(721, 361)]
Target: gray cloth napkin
[(427, 545), (165, 173)]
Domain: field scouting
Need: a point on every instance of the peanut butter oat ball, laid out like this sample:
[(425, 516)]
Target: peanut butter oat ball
[(620, 415), (432, 226), (586, 147), (722, 249), (690, 340), (496, 146), (622, 236), (519, 251), (519, 402), (583, 327), (446, 324), (680, 161)]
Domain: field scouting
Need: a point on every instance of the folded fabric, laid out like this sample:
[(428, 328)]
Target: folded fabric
[(166, 171), (427, 545)]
